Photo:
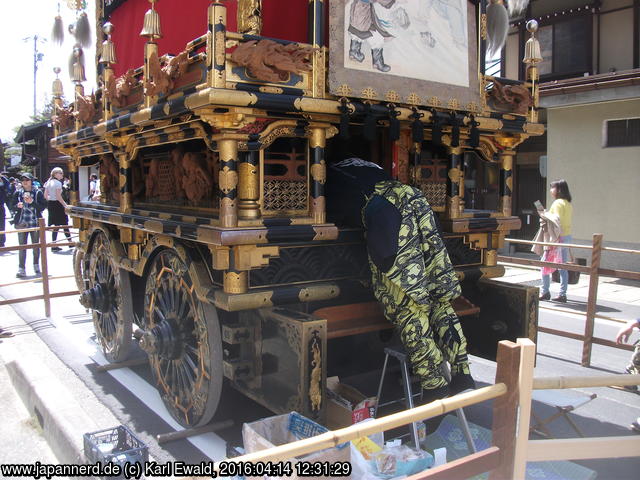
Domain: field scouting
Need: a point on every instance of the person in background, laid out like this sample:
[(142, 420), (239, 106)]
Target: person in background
[(29, 203), (562, 208), (66, 189), (4, 195), (634, 365), (94, 187), (56, 205)]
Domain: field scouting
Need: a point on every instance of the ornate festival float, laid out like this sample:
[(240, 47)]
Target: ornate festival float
[(211, 246)]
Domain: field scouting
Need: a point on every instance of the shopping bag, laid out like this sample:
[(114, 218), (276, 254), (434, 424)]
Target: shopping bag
[(574, 277)]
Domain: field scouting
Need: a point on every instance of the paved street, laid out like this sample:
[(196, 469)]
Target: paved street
[(131, 400)]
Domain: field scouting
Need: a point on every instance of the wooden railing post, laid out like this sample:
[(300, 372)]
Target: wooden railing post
[(44, 267), (592, 299), (525, 386), (505, 408)]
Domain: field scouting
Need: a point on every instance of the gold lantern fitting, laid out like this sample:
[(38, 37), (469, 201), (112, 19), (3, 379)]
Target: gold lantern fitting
[(532, 53), (57, 88), (77, 69), (151, 27), (108, 48)]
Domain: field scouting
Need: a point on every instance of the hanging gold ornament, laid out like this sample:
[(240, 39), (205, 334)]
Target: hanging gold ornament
[(151, 26), (108, 55), (532, 54), (57, 89)]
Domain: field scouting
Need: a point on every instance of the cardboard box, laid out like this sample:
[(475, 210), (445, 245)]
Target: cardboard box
[(346, 405), (282, 429)]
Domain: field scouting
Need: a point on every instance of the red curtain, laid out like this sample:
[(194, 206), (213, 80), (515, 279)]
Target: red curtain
[(183, 21)]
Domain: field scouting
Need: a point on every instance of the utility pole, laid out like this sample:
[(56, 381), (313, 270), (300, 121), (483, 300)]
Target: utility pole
[(37, 57)]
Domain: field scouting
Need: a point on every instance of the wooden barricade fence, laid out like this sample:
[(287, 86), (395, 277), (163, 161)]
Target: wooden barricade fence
[(594, 271), (511, 448), (44, 267)]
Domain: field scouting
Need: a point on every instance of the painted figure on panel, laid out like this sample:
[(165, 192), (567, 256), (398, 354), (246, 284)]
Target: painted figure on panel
[(365, 25), (422, 39)]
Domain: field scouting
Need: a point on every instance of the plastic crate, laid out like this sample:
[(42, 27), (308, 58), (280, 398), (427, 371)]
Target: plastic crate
[(118, 445)]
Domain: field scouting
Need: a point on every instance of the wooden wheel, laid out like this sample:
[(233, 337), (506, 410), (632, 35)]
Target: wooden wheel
[(80, 269), (182, 339), (109, 295)]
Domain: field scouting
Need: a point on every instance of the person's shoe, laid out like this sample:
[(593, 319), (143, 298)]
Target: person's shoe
[(56, 249), (635, 426), (21, 273), (560, 298), (545, 296), (36, 269)]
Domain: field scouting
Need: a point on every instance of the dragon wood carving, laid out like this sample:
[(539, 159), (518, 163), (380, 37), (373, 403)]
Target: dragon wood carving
[(510, 98), (63, 119), (117, 90), (195, 181), (85, 108), (161, 79), (110, 173), (270, 61)]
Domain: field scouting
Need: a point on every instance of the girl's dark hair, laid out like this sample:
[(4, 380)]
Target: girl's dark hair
[(562, 189)]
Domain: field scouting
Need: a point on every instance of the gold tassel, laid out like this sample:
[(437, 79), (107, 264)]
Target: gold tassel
[(83, 30), (57, 33)]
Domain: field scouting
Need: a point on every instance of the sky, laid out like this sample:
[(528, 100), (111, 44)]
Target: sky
[(27, 18)]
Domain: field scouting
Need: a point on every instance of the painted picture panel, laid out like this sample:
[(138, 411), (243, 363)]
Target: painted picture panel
[(404, 51)]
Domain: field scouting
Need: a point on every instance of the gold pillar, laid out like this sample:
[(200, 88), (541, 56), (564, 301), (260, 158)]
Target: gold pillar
[(149, 49), (415, 172), (152, 30), (57, 91), (235, 282), (79, 92), (74, 177), (317, 144), (455, 183), (228, 182), (506, 181), (108, 58), (126, 199), (533, 56), (249, 186), (216, 48), (490, 257)]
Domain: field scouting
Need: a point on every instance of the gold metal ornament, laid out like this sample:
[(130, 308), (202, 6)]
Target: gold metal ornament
[(108, 48), (532, 54), (151, 27)]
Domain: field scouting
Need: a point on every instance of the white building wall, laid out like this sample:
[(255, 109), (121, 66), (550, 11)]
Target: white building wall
[(604, 182)]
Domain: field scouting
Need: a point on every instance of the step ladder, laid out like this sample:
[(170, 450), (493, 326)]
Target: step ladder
[(399, 354)]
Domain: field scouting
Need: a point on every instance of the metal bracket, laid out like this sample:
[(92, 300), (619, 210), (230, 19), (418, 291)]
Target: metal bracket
[(235, 335), (238, 370), (247, 257)]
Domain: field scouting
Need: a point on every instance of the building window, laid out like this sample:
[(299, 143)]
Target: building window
[(621, 133), (565, 47)]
